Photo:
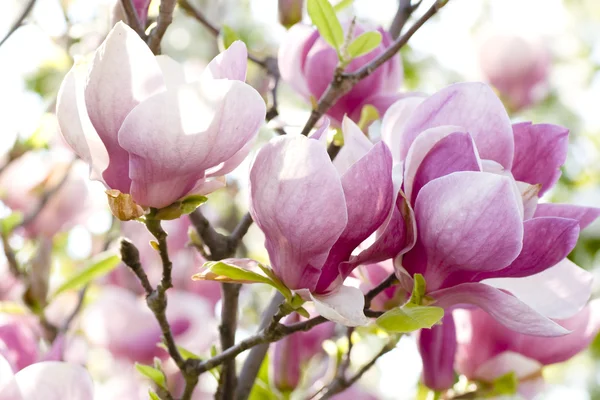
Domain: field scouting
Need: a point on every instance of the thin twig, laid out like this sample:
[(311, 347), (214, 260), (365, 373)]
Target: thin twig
[(343, 82), (371, 294), (405, 9), (133, 19), (18, 21), (257, 354), (340, 383), (191, 10), (165, 17), (78, 306)]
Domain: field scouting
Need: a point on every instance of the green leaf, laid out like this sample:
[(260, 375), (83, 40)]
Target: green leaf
[(342, 5), (179, 208), (153, 396), (98, 267), (226, 37), (505, 385), (154, 374), (11, 222), (323, 16), (419, 289), (410, 318), (364, 43)]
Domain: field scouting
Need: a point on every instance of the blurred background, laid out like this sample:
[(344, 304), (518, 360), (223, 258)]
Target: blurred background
[(542, 57)]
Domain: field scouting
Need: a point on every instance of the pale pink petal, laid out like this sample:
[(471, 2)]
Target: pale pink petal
[(435, 153), (503, 307), (321, 132), (207, 125), (356, 145), (344, 306), (369, 193), (8, 387), (585, 215), (292, 55), (74, 122), (540, 151), (467, 221), (530, 196), (437, 346), (473, 106), (507, 362), (173, 72), (233, 162), (394, 122), (298, 201), (558, 292), (124, 72), (56, 380), (230, 64)]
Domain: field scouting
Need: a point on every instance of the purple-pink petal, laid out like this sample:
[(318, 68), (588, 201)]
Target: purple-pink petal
[(438, 347), (585, 215)]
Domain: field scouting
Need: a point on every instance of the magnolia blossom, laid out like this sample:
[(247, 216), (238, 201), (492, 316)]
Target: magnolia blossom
[(307, 62), (58, 380), (473, 180), (487, 350), (147, 132), (293, 352), (122, 323), (518, 67), (316, 213), (141, 9)]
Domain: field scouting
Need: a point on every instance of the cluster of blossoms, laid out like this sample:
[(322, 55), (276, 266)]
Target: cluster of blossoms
[(445, 197)]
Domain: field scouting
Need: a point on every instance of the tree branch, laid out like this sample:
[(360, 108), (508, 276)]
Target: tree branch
[(132, 18), (371, 294), (405, 9), (227, 328), (343, 82), (18, 21), (165, 17)]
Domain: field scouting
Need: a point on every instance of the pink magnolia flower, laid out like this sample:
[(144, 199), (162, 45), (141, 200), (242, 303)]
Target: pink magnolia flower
[(518, 67), (316, 213), (58, 380), (488, 350), (292, 353), (122, 323), (27, 179), (148, 133), (307, 62), (19, 338), (473, 181)]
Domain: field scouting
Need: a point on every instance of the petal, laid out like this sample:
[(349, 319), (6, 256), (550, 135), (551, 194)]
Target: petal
[(394, 122), (57, 380), (585, 215), (509, 361), (292, 56), (468, 221), (173, 72), (124, 72), (356, 145), (369, 194), (233, 162), (321, 132), (503, 307), (435, 153), (344, 306), (207, 125), (557, 292), (438, 347), (229, 64), (298, 201), (74, 122), (473, 106), (540, 150)]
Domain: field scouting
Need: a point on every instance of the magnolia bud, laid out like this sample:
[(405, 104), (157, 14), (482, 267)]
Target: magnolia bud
[(290, 12)]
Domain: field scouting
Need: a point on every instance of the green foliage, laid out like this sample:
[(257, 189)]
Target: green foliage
[(343, 4), (410, 318), (152, 373), (11, 222), (179, 208), (153, 396), (261, 389), (227, 36), (98, 267), (323, 16), (364, 43)]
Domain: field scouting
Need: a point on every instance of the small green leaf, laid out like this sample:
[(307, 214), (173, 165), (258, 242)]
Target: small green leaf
[(11, 222), (302, 311), (99, 266), (323, 16), (342, 5), (419, 289), (190, 203), (153, 396), (154, 374), (226, 37), (364, 43), (410, 318), (179, 208), (186, 354), (505, 385)]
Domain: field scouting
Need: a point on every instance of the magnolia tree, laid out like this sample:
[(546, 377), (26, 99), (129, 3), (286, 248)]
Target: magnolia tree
[(392, 213)]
